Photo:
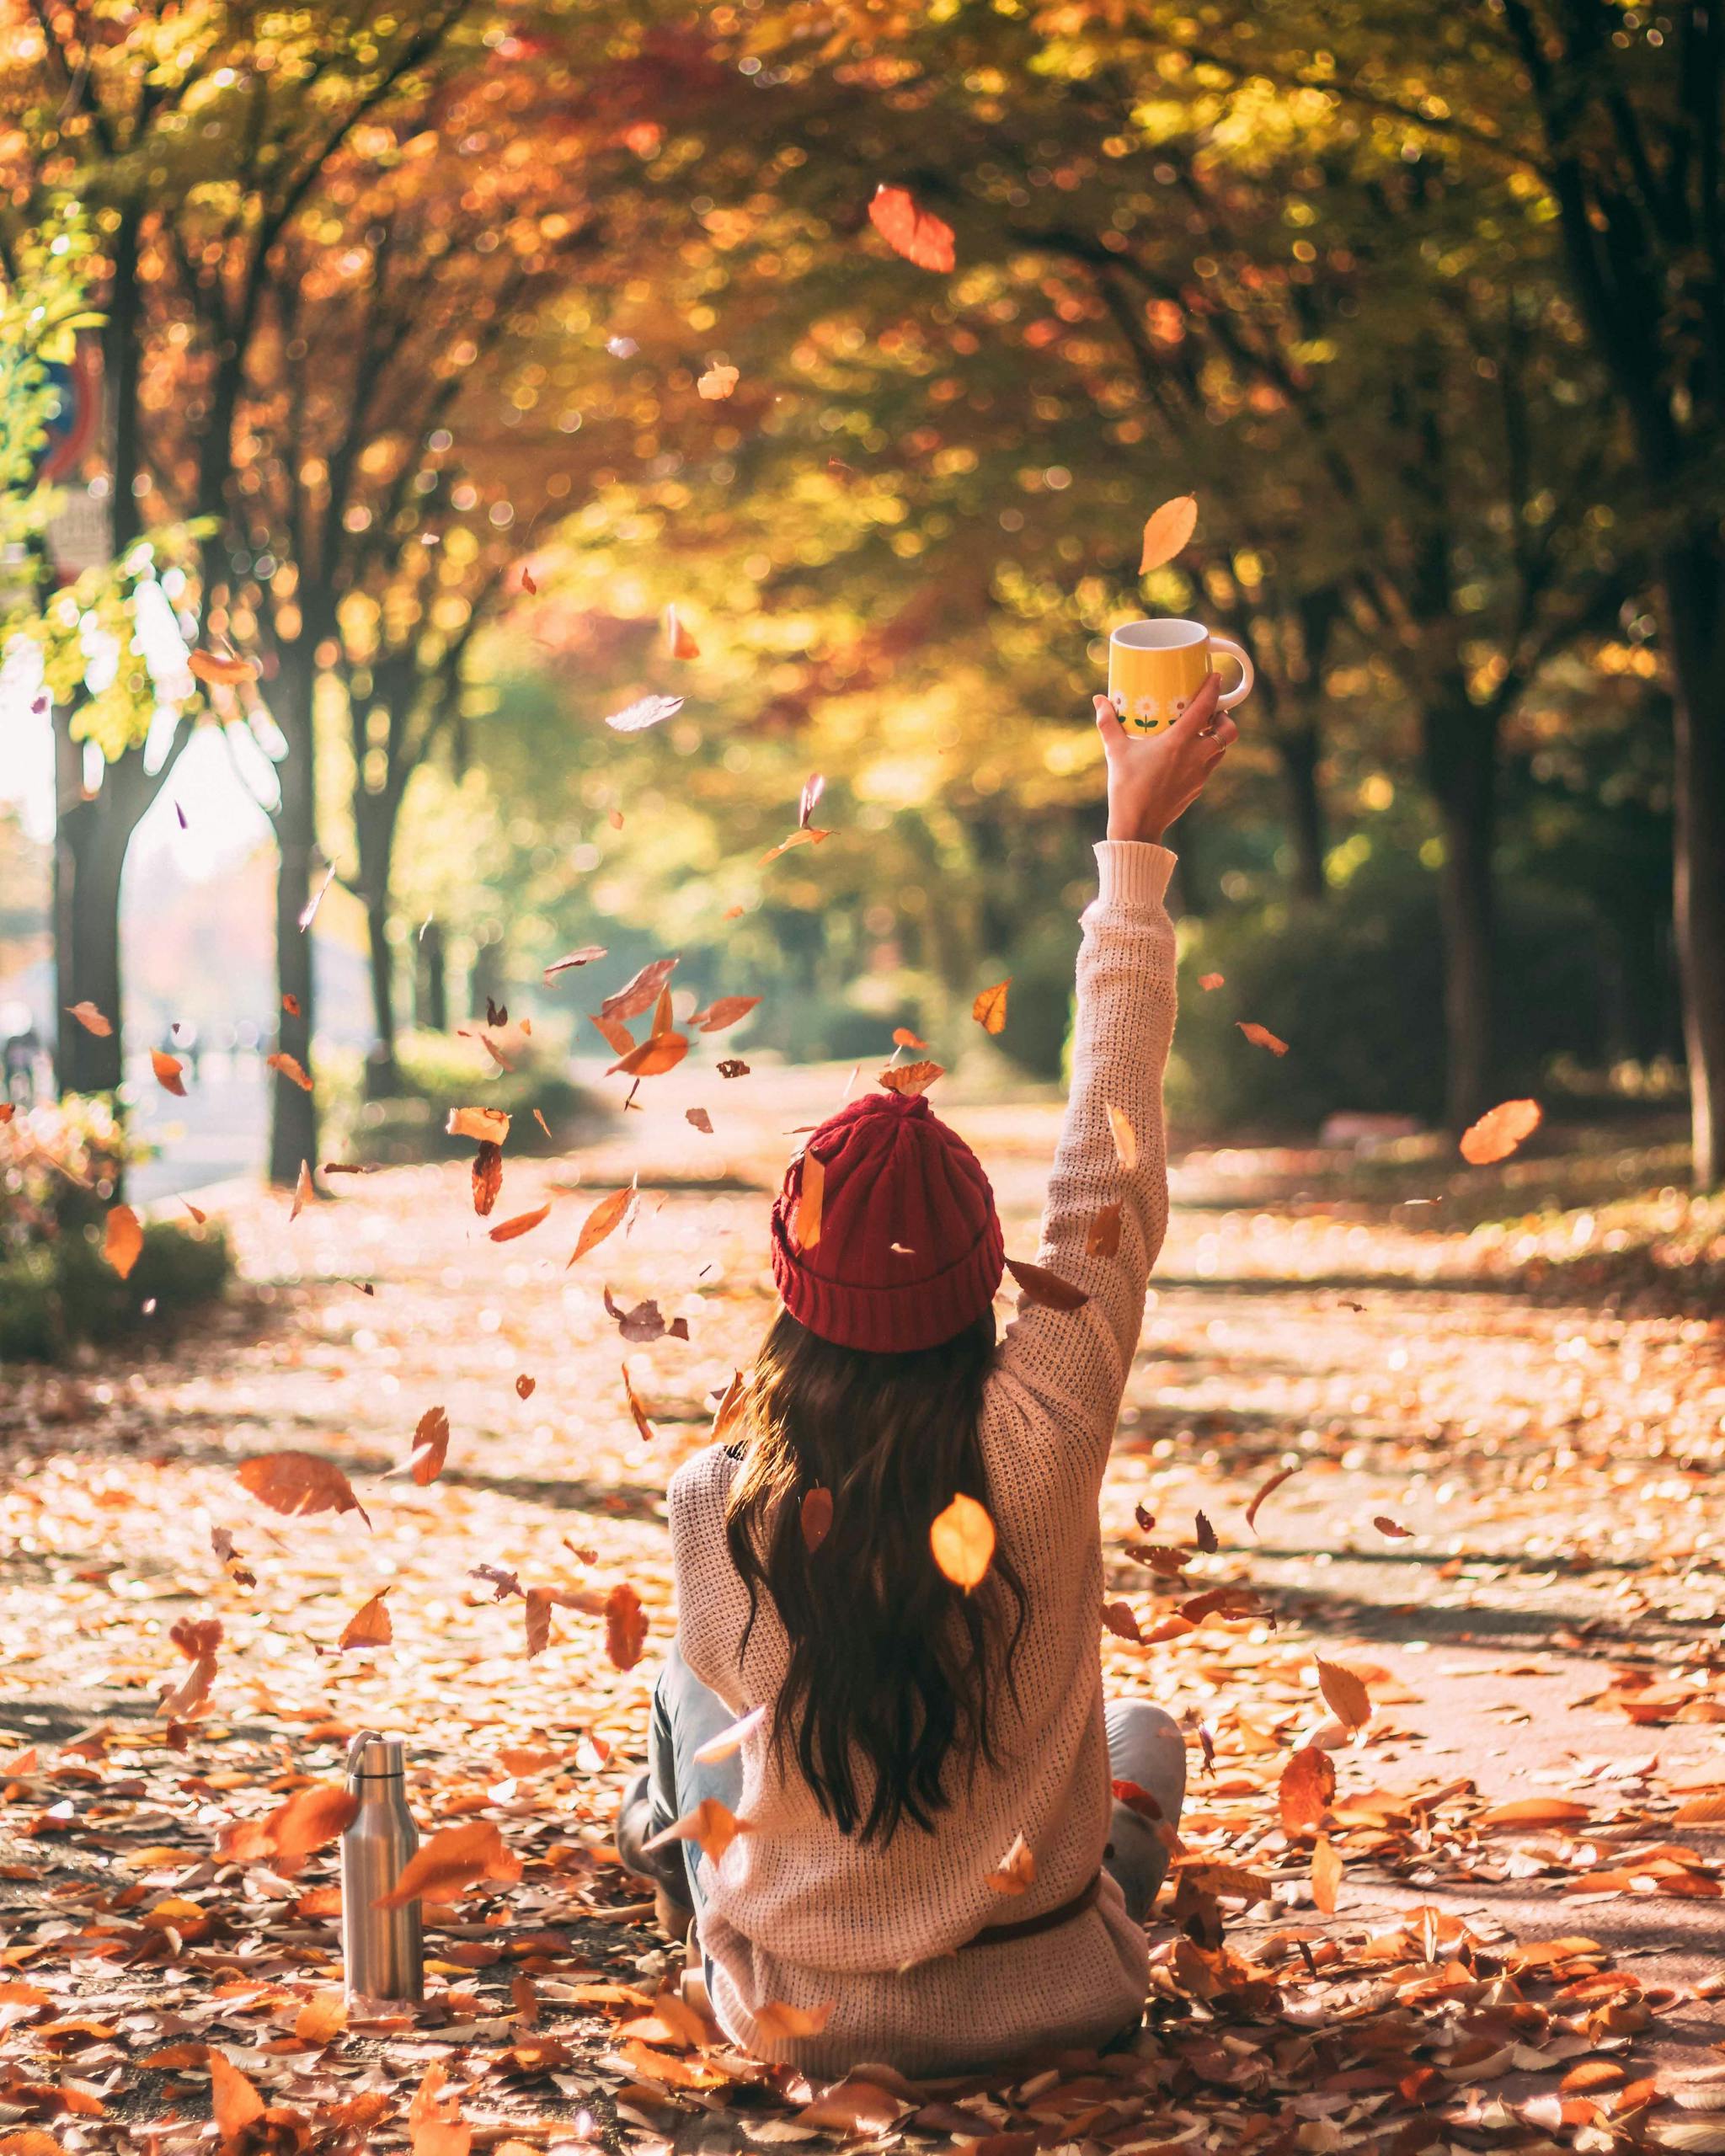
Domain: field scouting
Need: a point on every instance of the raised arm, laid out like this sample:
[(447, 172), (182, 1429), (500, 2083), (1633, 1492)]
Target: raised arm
[(1074, 1363)]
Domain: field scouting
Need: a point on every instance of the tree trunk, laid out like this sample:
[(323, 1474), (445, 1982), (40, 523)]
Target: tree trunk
[(431, 979), (1460, 757), (485, 981), (1693, 581), (293, 1119), (88, 856), (383, 1078), (1298, 751)]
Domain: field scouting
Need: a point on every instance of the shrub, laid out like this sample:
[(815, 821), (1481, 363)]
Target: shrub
[(437, 1073)]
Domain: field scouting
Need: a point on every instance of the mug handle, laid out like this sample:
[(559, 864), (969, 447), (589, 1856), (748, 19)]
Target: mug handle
[(1230, 697)]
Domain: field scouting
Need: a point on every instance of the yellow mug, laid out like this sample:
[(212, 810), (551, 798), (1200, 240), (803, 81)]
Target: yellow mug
[(1157, 668)]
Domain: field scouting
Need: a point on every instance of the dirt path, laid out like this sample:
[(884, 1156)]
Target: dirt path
[(1545, 1632)]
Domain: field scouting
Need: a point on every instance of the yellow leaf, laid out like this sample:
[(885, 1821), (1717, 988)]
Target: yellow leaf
[(1167, 531), (990, 1008), (962, 1539)]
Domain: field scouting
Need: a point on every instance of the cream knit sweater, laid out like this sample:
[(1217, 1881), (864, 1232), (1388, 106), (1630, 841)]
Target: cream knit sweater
[(798, 1912)]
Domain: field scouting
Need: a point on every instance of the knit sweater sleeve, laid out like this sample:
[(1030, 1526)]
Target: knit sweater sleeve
[(1074, 1363)]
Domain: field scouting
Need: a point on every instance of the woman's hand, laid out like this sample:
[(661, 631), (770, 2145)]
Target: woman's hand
[(1152, 778)]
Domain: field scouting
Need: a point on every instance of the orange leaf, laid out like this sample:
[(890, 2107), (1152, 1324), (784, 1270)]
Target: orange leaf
[(1498, 1132), (717, 383), (1700, 1812), (1102, 1239), (1167, 531), (616, 1036), (122, 1240), (369, 1626), (1325, 1875), (990, 1008), (198, 1218), (917, 234), (290, 1069), (322, 2018), (775, 2023), (453, 1859), (431, 1446), (1125, 1137), (233, 2101), (711, 1823), (91, 1019), (1208, 981), (304, 1190), (724, 1011), (962, 1539), (1040, 1286), (910, 1078), (523, 1223), (434, 2119), (487, 1176), (481, 1124), (167, 1069), (807, 835), (1306, 1790), (678, 642), (1262, 1036), (636, 1409), (1349, 1698), (625, 1627), (309, 1819), (811, 1195), (1016, 1868), (1532, 1811), (222, 668), (1281, 1475), (538, 1613), (904, 1037), (600, 1221), (640, 992), (298, 1482), (658, 1054), (815, 1516)]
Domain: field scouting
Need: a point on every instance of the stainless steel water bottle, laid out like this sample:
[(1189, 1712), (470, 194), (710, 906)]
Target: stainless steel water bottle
[(383, 1949)]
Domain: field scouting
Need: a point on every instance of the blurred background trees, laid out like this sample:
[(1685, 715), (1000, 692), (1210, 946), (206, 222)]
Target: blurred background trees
[(419, 323)]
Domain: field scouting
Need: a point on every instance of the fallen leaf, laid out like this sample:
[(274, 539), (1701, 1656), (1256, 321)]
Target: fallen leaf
[(731, 1738), (290, 1003), (91, 1019), (636, 1409), (290, 1068), (962, 1539), (711, 1824), (1124, 1136), (584, 956), (910, 1079), (483, 1125), (486, 1176), (1039, 1285), (724, 1012), (600, 1221), (990, 1008), (1262, 1036), (523, 1223), (122, 1240), (811, 1195), (434, 2124), (369, 1626), (1167, 531), (1325, 1875), (1498, 1132), (528, 585), (1349, 1698), (815, 1517), (322, 2019), (1208, 981), (538, 1615), (234, 2103), (775, 2023), (644, 1321), (649, 711), (916, 234), (453, 1859), (1101, 1238), (1265, 1489), (169, 1070), (299, 1482), (1531, 1811), (1306, 1790)]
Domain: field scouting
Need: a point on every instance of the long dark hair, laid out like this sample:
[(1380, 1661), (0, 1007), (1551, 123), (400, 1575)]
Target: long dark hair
[(889, 1659)]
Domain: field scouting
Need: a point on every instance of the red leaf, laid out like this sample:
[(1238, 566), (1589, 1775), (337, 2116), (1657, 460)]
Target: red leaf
[(917, 234)]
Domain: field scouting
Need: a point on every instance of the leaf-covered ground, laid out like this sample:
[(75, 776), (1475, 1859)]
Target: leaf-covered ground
[(1504, 1523)]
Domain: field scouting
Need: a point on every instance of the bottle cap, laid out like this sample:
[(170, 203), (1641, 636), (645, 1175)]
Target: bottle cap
[(372, 1758)]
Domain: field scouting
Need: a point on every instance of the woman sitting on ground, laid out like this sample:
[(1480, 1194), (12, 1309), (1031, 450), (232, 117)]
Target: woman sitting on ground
[(913, 1732)]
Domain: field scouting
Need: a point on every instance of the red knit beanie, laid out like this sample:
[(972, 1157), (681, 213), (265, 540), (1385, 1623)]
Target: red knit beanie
[(894, 1176)]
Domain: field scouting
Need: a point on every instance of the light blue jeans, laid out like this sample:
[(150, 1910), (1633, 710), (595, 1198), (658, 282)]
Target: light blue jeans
[(1144, 1746)]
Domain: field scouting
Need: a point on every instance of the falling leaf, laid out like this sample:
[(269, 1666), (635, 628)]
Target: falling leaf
[(811, 1196), (1262, 1036), (600, 1221), (290, 1003), (678, 642), (522, 1223), (636, 1409), (775, 2023), (1046, 1289), (167, 1069), (625, 1627), (1122, 1620), (910, 1079), (298, 1482), (640, 992), (1306, 1790), (454, 1858), (918, 235), (234, 2103), (222, 668), (814, 1516), (528, 585), (122, 1240), (717, 383), (732, 1066), (1125, 1137), (1325, 1875), (91, 1019), (198, 1217), (524, 1386), (615, 1035), (584, 956), (724, 1011), (1208, 981), (637, 717), (310, 1819), (804, 834), (711, 1824), (904, 1037), (1497, 1134), (700, 1119), (962, 1539), (430, 1447), (482, 1124), (990, 1008), (812, 788), (658, 1054), (1016, 1868), (1265, 1490), (369, 1626), (1167, 531), (1349, 1698), (308, 912), (731, 1738), (1385, 1525), (486, 1176), (290, 1068), (644, 1321), (1102, 1239), (304, 1190), (1205, 1536)]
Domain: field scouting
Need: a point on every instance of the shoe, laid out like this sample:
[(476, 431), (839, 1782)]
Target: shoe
[(663, 1870)]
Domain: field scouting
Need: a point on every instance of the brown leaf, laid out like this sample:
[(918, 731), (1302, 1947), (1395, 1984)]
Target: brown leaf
[(1122, 1620), (600, 1221), (910, 1078), (990, 1008), (1306, 1790), (430, 1447), (299, 1482), (290, 1068), (1325, 1875), (962, 1539), (640, 993), (1101, 1238), (1349, 1701), (636, 1409), (700, 1119), (122, 1240), (711, 1824), (523, 1223), (1262, 1036), (724, 1011), (1499, 1131), (454, 1858), (1039, 1285), (1016, 1868), (644, 1321), (1208, 981), (584, 956), (524, 1386), (169, 1070), (234, 2103), (732, 1066), (487, 1176), (481, 1124), (658, 1054), (1124, 1136), (815, 1517), (304, 1190), (369, 1626), (1205, 1536), (538, 1614), (1167, 531), (811, 1198), (625, 1627), (1385, 1525), (91, 1019), (1265, 1489), (916, 234)]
